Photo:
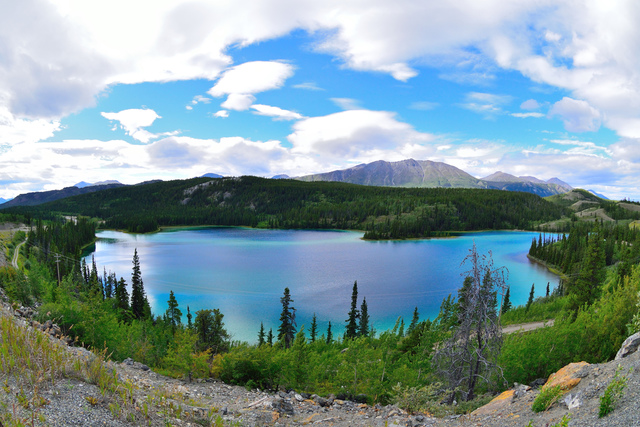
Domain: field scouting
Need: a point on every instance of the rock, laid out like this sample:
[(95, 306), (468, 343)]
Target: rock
[(322, 401), (573, 401), (520, 390), (298, 397), (282, 406), (568, 377), (498, 403), (629, 346), (537, 383), (127, 361)]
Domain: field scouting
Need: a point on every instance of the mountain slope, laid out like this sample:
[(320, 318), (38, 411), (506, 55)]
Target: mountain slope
[(37, 198), (425, 173)]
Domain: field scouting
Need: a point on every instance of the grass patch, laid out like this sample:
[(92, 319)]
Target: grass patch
[(547, 397), (543, 308), (612, 394)]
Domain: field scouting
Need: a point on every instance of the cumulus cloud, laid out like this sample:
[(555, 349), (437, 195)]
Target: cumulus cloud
[(275, 112), (222, 114), (530, 104), (133, 120), (252, 77), (357, 134), (13, 130), (238, 102), (577, 115)]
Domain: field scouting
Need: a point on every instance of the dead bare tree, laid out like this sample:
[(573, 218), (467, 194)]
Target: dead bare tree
[(470, 354)]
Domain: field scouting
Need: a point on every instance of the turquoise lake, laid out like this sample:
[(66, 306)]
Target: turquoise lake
[(243, 272)]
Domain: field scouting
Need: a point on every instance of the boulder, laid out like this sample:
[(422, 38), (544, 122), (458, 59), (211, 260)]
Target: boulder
[(498, 404), (568, 377), (629, 346), (282, 406)]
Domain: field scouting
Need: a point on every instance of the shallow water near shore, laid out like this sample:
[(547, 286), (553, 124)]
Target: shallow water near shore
[(243, 272)]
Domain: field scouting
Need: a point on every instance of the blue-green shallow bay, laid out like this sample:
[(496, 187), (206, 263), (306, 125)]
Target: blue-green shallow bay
[(243, 272)]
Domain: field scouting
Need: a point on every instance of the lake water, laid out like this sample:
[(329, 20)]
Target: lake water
[(243, 272)]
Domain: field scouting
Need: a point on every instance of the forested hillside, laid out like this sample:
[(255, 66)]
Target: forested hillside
[(250, 201)]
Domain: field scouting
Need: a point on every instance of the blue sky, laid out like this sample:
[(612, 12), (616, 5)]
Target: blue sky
[(132, 91)]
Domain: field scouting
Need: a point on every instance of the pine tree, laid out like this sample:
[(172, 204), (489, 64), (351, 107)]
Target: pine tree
[(363, 327), (351, 330), (314, 328), (173, 313), (270, 337), (530, 300), (122, 300), (261, 335), (414, 321), (189, 317), (210, 330), (506, 304), (329, 334), (139, 303), (287, 329)]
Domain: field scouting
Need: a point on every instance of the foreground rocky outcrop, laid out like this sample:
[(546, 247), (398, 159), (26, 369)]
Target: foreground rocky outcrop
[(97, 392)]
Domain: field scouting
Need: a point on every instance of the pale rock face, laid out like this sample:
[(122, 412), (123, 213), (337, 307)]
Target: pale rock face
[(629, 346)]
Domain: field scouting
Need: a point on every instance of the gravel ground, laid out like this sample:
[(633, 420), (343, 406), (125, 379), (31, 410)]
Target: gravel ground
[(155, 400)]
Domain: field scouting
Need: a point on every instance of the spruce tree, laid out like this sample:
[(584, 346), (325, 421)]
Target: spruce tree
[(139, 303), (363, 327), (287, 329), (270, 337), (547, 295), (314, 328), (530, 300), (506, 304), (351, 330), (261, 335), (414, 321), (329, 335), (189, 319), (122, 299), (173, 313)]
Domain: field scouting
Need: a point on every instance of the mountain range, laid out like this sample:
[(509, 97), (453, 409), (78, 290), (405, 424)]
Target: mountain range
[(426, 173), (405, 173)]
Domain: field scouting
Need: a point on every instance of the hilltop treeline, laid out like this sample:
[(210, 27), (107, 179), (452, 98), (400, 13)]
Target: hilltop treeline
[(382, 212)]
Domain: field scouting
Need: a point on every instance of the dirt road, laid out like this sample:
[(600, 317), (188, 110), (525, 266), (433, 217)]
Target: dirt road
[(524, 327)]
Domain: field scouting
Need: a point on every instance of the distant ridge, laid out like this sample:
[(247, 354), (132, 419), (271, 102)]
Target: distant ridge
[(405, 173), (281, 176), (211, 175), (83, 184), (37, 198), (426, 173)]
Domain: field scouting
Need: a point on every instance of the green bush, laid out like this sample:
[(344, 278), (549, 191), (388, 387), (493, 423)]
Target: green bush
[(612, 394), (547, 397)]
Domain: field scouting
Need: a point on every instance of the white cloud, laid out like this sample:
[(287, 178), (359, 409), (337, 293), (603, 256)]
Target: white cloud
[(586, 148), (222, 113), (530, 104), (308, 86), (13, 130), (347, 103), (357, 135), (133, 120), (252, 77), (487, 104), (277, 113), (577, 115), (238, 102), (527, 115)]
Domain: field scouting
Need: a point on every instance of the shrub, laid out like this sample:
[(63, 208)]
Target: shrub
[(547, 397), (612, 394)]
